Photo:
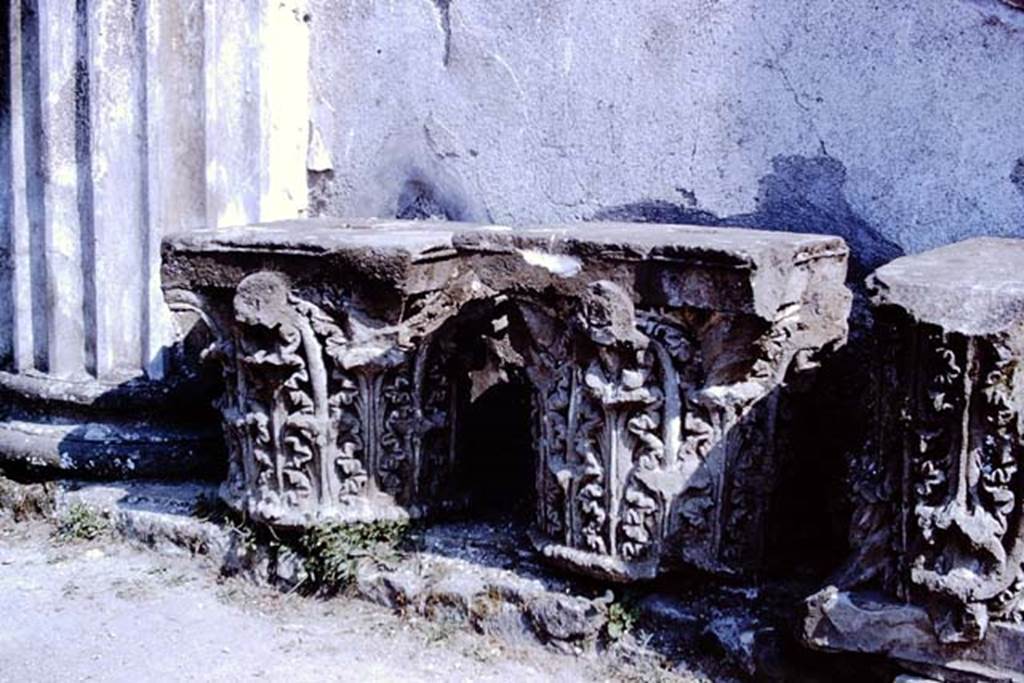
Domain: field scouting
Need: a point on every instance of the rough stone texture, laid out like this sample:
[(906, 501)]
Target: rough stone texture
[(938, 527), (352, 354), (506, 597), (973, 288), (24, 501), (893, 124), (165, 517), (865, 622)]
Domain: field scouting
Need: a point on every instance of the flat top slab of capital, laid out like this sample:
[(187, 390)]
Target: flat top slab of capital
[(724, 245), (326, 236), (974, 287), (418, 239)]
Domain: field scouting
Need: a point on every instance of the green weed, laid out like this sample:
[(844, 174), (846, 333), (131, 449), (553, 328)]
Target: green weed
[(81, 523), (332, 552), (622, 618)]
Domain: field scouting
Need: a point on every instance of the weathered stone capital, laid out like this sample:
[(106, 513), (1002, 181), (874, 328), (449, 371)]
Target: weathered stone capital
[(351, 354), (939, 519)]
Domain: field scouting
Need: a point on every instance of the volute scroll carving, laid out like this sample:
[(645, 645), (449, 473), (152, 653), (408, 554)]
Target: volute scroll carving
[(319, 427)]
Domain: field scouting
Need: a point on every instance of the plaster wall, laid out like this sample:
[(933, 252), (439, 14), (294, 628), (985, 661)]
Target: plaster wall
[(898, 125)]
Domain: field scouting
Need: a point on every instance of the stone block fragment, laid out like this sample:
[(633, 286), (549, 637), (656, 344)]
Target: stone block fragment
[(938, 530)]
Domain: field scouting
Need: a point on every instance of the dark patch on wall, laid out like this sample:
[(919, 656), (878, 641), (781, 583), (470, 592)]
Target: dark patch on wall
[(805, 194), (801, 194), (445, 14), (419, 199), (1017, 175), (321, 192), (658, 211)]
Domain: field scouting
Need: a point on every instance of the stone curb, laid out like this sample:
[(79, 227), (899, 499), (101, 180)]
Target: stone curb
[(519, 608)]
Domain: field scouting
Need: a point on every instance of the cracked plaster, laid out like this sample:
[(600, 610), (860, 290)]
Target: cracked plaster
[(543, 112)]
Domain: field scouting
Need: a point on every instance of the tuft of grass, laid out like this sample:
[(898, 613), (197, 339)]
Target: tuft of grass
[(81, 523), (485, 605), (332, 552), (622, 618)]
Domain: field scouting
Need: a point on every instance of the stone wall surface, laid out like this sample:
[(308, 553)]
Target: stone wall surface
[(893, 124)]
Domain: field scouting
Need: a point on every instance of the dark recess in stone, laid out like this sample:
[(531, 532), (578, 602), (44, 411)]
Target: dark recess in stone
[(420, 200), (497, 454)]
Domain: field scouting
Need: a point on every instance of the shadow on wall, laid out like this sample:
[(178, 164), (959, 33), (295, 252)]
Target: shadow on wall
[(421, 200), (1017, 176), (801, 194)]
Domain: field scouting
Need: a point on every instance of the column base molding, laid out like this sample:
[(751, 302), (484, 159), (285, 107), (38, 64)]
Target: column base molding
[(102, 430)]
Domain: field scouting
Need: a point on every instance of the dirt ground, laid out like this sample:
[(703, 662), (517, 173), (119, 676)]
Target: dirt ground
[(105, 611)]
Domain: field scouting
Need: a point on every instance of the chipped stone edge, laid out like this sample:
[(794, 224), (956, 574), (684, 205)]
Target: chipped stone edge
[(862, 622)]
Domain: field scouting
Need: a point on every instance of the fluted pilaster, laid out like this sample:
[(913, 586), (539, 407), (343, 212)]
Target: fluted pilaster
[(122, 122)]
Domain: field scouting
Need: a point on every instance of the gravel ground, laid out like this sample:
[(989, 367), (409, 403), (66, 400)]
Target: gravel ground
[(105, 611)]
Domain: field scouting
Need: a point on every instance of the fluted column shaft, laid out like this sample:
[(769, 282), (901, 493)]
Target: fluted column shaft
[(122, 122)]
